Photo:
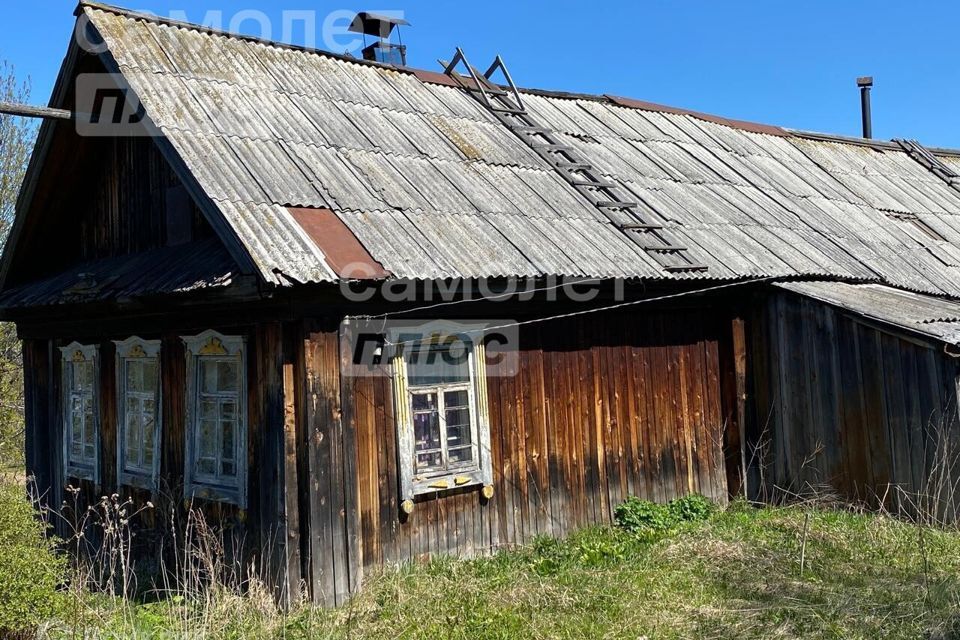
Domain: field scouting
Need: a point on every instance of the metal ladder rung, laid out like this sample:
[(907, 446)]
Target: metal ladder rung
[(514, 111), (664, 248), (613, 204), (578, 166), (641, 227), (551, 147), (490, 90), (593, 183), (686, 267)]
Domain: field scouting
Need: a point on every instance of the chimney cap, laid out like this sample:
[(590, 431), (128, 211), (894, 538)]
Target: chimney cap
[(376, 24), (865, 81)]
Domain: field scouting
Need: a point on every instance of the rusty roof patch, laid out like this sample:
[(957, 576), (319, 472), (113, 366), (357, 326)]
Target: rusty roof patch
[(343, 251), (433, 77)]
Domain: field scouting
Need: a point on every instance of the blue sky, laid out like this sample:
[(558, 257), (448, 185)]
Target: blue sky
[(792, 64)]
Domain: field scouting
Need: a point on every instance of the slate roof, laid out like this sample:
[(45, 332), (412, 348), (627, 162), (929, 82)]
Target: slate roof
[(920, 314), (434, 186)]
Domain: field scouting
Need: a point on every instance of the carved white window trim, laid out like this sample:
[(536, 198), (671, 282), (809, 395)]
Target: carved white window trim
[(85, 467), (412, 483), (213, 345), (128, 351)]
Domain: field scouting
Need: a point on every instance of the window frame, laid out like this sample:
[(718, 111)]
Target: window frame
[(84, 469), (480, 473), (211, 345), (136, 349)]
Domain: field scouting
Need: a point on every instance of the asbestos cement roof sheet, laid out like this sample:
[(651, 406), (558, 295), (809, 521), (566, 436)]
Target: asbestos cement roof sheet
[(433, 185)]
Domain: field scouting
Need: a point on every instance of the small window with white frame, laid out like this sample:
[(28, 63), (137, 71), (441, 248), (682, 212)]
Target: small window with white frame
[(216, 461), (81, 419), (138, 412), (442, 418)]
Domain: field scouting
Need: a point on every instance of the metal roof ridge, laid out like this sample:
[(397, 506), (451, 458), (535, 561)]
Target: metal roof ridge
[(886, 145)]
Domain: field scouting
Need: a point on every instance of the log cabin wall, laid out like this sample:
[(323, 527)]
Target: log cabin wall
[(844, 405), (603, 407), (266, 532)]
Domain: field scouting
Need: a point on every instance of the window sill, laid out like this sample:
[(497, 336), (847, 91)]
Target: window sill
[(79, 473), (215, 494), (451, 482), (136, 481)]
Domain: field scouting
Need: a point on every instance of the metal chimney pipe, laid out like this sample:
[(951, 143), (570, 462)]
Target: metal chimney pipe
[(865, 83)]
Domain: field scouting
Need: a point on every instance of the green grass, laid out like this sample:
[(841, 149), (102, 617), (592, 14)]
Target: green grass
[(737, 575)]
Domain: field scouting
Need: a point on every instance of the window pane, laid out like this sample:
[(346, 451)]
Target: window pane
[(76, 438), (424, 401), (458, 435), (227, 448), (439, 364), (228, 468), (228, 410), (206, 466), (149, 428), (461, 456), (456, 399), (134, 375), (428, 461), (208, 376), (88, 421), (150, 377), (132, 463), (426, 429), (209, 409), (228, 376), (133, 437), (82, 376), (207, 442)]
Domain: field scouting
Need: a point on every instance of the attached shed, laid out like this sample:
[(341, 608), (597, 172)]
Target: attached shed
[(856, 393), (188, 292)]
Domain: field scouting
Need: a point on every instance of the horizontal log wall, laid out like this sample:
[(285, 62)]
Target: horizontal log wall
[(602, 408), (845, 405)]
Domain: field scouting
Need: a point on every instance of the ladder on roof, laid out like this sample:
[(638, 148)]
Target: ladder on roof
[(505, 103), (931, 162)]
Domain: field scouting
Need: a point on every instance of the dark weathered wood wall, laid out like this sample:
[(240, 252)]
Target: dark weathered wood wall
[(602, 408), (844, 404), (268, 529), (127, 202)]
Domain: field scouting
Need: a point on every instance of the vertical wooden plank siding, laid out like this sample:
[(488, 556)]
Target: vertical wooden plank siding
[(854, 407), (41, 463), (596, 403), (292, 444)]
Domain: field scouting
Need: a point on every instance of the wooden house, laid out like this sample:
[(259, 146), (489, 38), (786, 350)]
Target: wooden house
[(771, 307)]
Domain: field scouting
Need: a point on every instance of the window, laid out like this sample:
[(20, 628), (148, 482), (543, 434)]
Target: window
[(81, 423), (138, 412), (216, 418), (442, 418)]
